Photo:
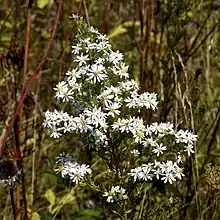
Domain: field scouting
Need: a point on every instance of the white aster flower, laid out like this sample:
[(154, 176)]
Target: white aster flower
[(73, 74), (143, 172), (138, 135), (106, 96), (117, 193), (149, 142), (189, 149), (102, 37), (67, 167), (103, 46), (100, 61), (186, 137), (62, 89), (168, 177), (122, 125), (82, 59), (96, 73), (159, 148), (69, 126), (113, 109), (128, 85), (100, 137), (96, 117), (93, 30), (83, 124), (75, 16), (135, 152), (55, 134), (121, 71), (76, 49), (115, 57)]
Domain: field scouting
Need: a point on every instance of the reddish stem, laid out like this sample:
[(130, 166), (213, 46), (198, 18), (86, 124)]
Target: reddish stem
[(32, 78)]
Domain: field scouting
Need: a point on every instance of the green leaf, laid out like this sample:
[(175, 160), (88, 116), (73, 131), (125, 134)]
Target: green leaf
[(91, 212), (50, 208), (35, 216), (42, 3), (50, 196), (117, 31), (67, 199), (122, 28), (46, 216)]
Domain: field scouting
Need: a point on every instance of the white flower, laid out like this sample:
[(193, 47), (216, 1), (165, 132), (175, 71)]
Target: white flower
[(168, 177), (106, 96), (138, 135), (61, 89), (122, 125), (117, 193), (69, 126), (128, 85), (137, 128), (159, 148), (121, 71), (55, 134), (179, 173), (96, 117), (162, 128), (102, 37), (113, 109), (82, 59), (166, 171), (78, 172), (75, 16), (73, 74), (83, 124), (115, 57), (146, 169), (100, 61), (93, 30), (75, 171), (102, 46), (131, 102), (143, 172), (135, 152), (100, 137), (96, 73), (135, 173), (149, 141), (147, 100), (189, 149), (76, 49), (186, 137)]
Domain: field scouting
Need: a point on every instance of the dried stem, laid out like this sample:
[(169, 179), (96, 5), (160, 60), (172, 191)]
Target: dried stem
[(12, 202), (32, 77)]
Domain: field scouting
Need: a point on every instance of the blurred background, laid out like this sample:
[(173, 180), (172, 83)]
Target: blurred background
[(172, 48)]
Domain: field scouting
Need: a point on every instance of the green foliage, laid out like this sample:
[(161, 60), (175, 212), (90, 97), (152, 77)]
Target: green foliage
[(89, 214), (179, 52), (42, 3)]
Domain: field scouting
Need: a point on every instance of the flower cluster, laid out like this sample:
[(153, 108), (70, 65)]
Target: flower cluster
[(167, 171), (107, 101), (116, 193), (67, 167)]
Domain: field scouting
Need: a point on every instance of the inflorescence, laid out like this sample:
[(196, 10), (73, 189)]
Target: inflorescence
[(107, 101)]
